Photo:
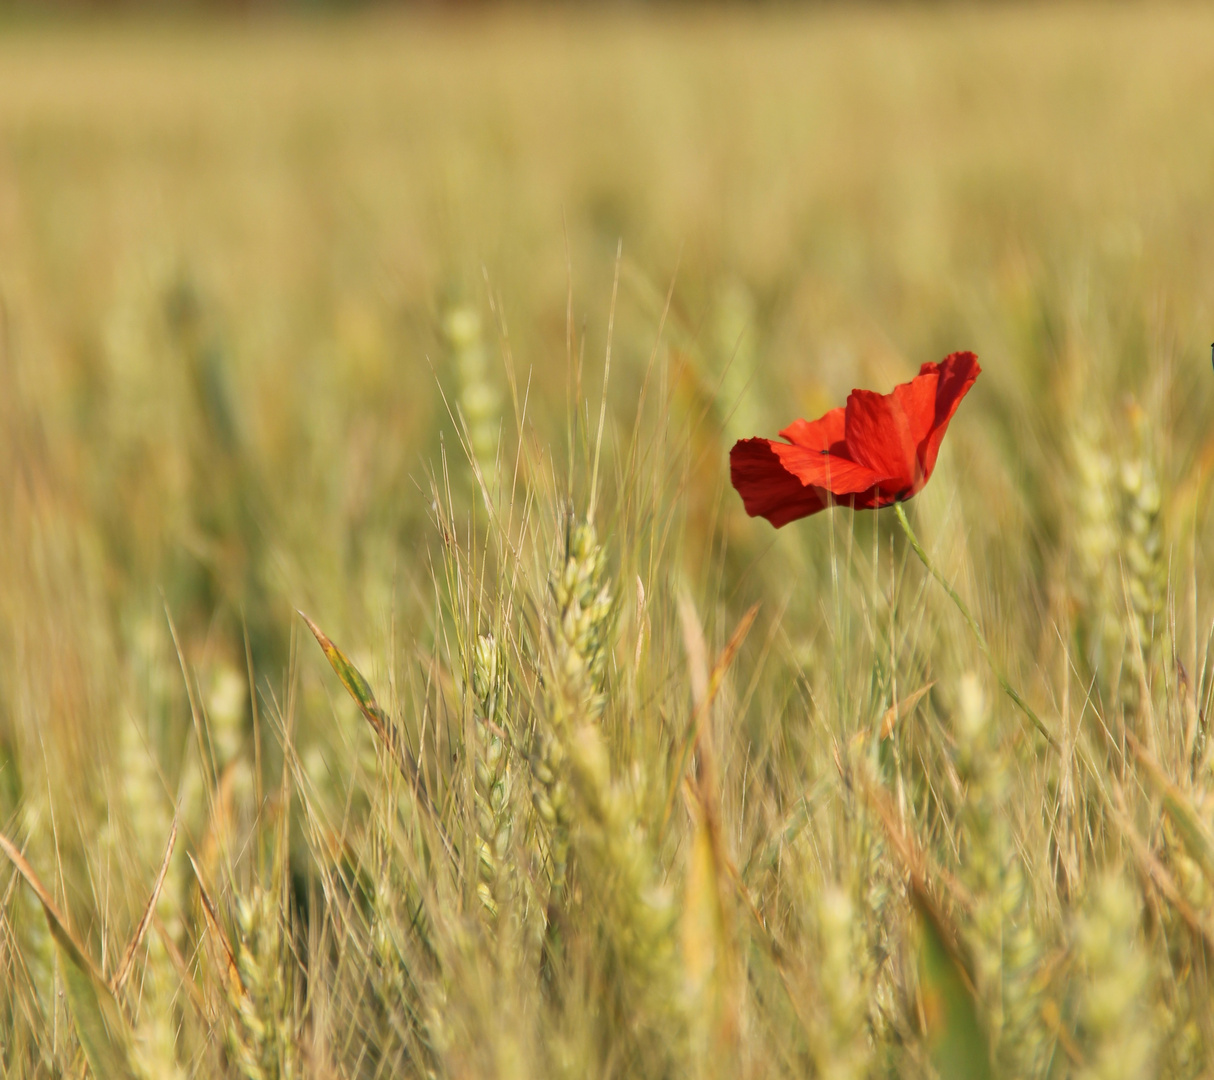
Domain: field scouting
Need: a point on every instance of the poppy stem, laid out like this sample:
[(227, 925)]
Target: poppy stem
[(1008, 688)]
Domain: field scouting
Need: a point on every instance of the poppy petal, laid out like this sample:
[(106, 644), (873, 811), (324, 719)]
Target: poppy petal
[(957, 373), (879, 437), (820, 434), (824, 469), (767, 488), (917, 400)]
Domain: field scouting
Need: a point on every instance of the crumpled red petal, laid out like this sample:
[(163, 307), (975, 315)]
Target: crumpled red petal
[(767, 488)]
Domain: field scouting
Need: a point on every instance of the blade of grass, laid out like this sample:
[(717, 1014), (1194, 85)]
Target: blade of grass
[(216, 934), (975, 629), (1188, 822), (103, 1031), (128, 957), (360, 690), (900, 709), (692, 736)]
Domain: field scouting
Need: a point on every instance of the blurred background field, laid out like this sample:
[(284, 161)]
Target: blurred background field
[(230, 249), (248, 270)]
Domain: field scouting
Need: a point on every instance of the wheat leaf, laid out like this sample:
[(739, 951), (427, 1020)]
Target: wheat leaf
[(957, 1041), (104, 1034), (360, 690)]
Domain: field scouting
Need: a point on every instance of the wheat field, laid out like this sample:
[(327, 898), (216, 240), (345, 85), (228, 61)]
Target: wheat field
[(391, 682)]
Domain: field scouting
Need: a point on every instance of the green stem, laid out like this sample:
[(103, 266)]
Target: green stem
[(1008, 688)]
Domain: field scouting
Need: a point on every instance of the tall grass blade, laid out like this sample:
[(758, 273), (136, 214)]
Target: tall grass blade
[(1196, 835), (128, 957), (105, 1035), (360, 690)]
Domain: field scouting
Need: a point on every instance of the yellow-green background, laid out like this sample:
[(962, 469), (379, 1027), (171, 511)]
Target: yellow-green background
[(836, 195), (230, 256)]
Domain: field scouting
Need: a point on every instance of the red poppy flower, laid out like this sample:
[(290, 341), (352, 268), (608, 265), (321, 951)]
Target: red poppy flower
[(878, 450)]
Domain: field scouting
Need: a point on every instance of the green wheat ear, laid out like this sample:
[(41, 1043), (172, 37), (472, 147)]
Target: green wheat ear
[(1113, 1004), (492, 775)]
